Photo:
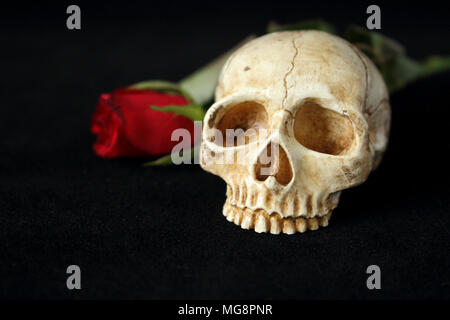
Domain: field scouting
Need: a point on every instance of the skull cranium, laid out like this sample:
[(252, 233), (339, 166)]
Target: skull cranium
[(326, 111)]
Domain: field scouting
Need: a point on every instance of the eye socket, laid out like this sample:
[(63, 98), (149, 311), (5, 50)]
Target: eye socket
[(241, 123), (323, 130)]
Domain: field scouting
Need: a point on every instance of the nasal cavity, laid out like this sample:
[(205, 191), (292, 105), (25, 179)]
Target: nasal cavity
[(273, 161)]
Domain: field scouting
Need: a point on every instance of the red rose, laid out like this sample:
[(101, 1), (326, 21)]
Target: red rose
[(126, 126)]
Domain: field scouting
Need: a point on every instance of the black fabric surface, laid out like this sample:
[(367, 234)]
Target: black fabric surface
[(158, 232)]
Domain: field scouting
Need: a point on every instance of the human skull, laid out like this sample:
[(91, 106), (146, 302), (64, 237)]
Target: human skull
[(325, 108)]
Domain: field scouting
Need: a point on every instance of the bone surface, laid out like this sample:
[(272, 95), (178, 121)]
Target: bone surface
[(312, 104)]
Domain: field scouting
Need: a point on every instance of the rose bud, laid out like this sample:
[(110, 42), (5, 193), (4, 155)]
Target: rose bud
[(126, 126), (138, 121)]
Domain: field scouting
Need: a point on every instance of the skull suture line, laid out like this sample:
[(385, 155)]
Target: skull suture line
[(324, 105)]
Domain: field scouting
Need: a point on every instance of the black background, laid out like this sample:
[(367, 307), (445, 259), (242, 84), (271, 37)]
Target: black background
[(159, 232)]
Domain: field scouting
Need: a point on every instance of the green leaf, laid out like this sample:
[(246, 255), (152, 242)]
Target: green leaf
[(162, 86), (163, 161), (390, 57), (198, 87), (317, 24), (167, 159), (435, 64), (379, 48), (405, 70), (400, 72), (192, 111), (201, 84)]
